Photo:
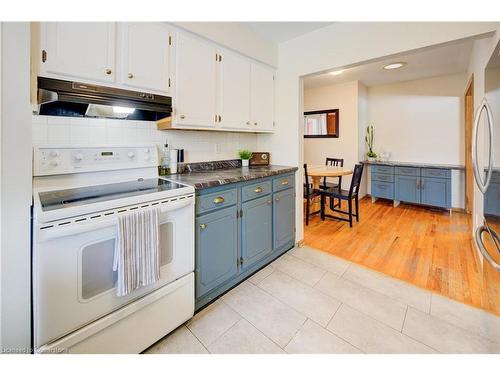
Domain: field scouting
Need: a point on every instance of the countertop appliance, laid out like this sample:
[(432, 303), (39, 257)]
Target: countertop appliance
[(486, 162), (75, 99), (79, 193), (260, 159)]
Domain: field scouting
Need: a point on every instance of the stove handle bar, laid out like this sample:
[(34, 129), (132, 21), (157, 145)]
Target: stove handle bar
[(77, 228)]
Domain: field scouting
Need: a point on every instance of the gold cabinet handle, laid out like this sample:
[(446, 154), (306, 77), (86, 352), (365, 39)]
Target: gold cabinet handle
[(203, 226), (284, 182), (258, 189), (277, 199), (130, 75), (269, 202), (182, 117), (219, 200), (108, 71)]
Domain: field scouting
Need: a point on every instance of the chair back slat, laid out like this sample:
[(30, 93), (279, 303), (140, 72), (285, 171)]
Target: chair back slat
[(356, 180), (334, 162)]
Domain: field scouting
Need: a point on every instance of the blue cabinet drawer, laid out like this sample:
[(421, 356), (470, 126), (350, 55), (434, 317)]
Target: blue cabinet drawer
[(383, 177), (495, 177), (382, 189), (436, 172), (284, 182), (408, 171), (384, 169), (214, 201), (255, 190)]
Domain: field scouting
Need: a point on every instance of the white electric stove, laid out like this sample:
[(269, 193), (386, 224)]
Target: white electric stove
[(79, 193)]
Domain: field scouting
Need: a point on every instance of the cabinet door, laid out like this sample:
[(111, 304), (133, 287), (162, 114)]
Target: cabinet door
[(145, 56), (195, 82), (436, 191), (262, 97), (407, 189), (257, 229), (492, 200), (284, 219), (216, 249), (79, 50), (233, 99)]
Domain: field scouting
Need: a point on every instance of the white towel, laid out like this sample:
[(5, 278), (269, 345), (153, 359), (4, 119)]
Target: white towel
[(137, 253)]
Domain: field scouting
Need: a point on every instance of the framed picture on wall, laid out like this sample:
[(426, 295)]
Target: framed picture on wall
[(321, 124)]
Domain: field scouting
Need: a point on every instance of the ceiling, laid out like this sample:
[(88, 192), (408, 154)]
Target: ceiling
[(279, 32), (431, 62)]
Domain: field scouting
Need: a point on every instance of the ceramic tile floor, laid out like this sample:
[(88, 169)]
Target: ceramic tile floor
[(308, 301)]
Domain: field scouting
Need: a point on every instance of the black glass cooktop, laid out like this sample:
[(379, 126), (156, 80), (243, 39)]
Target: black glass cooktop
[(53, 200)]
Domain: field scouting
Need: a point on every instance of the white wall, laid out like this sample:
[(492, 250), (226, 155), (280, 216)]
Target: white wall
[(420, 121), (344, 97), (16, 187), (340, 45), (236, 36), (197, 145)]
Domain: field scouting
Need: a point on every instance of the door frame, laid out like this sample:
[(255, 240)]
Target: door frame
[(468, 121)]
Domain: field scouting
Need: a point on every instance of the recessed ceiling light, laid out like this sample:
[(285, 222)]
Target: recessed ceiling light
[(395, 65), (336, 72)]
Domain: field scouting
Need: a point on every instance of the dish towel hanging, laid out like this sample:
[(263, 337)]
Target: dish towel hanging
[(137, 253)]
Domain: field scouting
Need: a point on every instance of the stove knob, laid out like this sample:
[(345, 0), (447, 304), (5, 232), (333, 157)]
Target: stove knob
[(54, 162), (54, 153), (131, 155), (79, 157), (147, 157)]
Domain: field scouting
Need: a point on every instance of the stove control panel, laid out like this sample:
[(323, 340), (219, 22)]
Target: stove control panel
[(63, 160)]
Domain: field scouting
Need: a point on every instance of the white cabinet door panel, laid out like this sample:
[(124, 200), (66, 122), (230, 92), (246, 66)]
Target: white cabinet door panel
[(195, 82), (80, 50), (262, 97), (145, 56), (233, 91)]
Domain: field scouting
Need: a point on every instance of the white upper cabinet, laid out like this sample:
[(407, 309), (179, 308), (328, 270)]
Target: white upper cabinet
[(262, 98), (145, 56), (233, 91), (79, 50), (194, 102)]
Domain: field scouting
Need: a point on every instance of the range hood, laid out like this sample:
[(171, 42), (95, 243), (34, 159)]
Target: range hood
[(74, 99)]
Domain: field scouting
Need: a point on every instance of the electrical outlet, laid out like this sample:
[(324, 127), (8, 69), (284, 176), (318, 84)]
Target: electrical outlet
[(217, 148)]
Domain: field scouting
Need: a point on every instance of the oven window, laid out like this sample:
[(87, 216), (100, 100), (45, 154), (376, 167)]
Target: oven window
[(166, 243), (97, 268), (97, 262)]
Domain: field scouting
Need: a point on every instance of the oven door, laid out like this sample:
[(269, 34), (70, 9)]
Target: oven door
[(74, 281)]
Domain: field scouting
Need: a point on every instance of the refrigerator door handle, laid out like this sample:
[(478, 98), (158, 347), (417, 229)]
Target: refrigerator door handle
[(479, 242), (482, 185)]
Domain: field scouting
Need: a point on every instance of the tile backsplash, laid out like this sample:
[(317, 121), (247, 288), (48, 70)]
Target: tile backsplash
[(198, 145)]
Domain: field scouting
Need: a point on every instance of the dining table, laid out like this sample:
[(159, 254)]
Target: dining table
[(318, 172)]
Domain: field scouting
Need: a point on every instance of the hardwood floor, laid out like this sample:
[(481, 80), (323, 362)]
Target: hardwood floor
[(428, 248)]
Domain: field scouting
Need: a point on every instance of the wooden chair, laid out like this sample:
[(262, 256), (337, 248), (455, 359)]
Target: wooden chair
[(347, 195), (330, 185), (309, 194)]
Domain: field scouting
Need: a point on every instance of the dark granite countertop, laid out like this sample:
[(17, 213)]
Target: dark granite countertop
[(410, 164), (210, 178)]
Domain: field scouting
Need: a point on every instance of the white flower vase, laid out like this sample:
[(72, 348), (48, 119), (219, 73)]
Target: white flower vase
[(244, 162)]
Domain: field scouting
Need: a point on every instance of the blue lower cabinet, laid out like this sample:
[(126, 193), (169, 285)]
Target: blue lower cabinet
[(284, 219), (256, 230), (216, 249), (407, 189), (492, 200), (436, 192)]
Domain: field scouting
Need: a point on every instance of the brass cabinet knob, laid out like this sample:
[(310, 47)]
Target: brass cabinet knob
[(258, 190), (182, 117), (130, 75), (284, 182), (277, 199), (203, 226), (108, 71), (269, 202), (219, 200)]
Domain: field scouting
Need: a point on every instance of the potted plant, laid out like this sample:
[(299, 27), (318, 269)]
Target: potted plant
[(245, 156), (371, 156)]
